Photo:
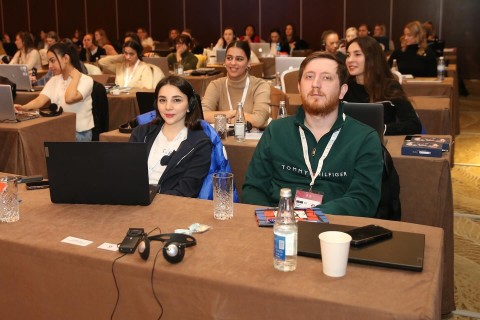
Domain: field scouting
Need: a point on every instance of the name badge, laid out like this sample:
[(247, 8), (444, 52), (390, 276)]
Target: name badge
[(307, 199)]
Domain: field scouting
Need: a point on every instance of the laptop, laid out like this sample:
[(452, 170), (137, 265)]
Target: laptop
[(369, 113), (160, 62), (261, 49), (7, 110), (18, 73), (99, 173), (221, 53), (404, 250), (285, 63)]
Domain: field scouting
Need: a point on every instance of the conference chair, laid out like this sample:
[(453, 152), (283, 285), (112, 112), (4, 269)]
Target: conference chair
[(289, 79)]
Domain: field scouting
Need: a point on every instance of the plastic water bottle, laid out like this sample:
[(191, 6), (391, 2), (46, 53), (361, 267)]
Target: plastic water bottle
[(279, 48), (394, 65), (285, 234), (282, 110), (441, 69), (240, 123)]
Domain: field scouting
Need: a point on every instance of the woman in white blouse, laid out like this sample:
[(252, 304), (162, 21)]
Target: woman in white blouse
[(133, 72), (26, 54)]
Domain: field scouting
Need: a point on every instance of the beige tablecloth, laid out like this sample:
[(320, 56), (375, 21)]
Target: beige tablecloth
[(228, 275), (22, 150)]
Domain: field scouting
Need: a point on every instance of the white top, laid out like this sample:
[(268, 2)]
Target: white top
[(147, 42), (141, 76), (55, 90), (31, 59), (162, 147)]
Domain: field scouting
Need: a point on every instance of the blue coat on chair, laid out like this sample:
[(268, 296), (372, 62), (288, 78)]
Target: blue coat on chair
[(219, 163)]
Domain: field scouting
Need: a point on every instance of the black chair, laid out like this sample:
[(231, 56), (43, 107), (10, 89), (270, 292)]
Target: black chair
[(145, 101), (99, 110)]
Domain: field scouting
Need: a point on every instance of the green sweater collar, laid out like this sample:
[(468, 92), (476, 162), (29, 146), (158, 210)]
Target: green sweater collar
[(300, 118)]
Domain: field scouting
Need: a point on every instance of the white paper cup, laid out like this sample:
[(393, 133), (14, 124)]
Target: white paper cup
[(334, 246)]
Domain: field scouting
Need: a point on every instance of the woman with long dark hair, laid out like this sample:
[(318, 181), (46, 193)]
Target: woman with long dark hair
[(179, 151), (68, 88), (133, 72), (371, 80), (26, 54)]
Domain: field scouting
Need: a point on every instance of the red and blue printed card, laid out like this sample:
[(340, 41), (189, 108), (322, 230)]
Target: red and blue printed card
[(266, 217)]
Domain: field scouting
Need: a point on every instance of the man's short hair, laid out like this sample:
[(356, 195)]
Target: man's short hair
[(341, 68)]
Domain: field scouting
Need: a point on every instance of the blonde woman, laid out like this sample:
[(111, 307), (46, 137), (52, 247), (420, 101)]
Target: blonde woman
[(102, 41), (416, 58)]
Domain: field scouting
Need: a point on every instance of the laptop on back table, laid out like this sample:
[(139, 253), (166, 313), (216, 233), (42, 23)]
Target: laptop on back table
[(18, 73), (99, 173), (7, 110), (404, 250)]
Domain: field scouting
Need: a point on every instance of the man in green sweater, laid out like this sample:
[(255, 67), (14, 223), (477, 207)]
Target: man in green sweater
[(319, 150)]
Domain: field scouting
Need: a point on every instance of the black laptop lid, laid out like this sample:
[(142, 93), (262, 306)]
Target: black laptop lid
[(369, 113), (98, 172), (403, 251)]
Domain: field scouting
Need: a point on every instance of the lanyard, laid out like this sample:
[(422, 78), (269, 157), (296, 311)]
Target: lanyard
[(128, 76), (244, 95), (322, 158)]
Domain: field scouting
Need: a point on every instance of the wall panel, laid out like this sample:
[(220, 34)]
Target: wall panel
[(42, 16), (460, 29), (102, 14), (410, 10), (132, 15), (70, 18), (15, 17), (357, 12), (320, 16), (238, 16), (276, 14), (165, 15), (203, 18)]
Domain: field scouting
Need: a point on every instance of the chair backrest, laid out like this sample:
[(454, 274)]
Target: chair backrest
[(157, 74), (202, 61), (100, 78), (92, 69), (99, 110), (145, 101), (289, 80)]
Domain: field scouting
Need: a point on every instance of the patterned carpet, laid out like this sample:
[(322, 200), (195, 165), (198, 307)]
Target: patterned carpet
[(466, 198)]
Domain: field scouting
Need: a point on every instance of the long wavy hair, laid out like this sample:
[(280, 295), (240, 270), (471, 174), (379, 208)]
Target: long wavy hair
[(416, 30), (377, 77)]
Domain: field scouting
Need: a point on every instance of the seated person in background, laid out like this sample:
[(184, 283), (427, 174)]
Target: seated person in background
[(195, 46), (179, 151), (380, 34), (330, 44), (371, 80), (108, 64), (228, 37), (435, 44), (250, 35), (9, 47), (223, 94), (77, 38), (69, 88), (133, 72), (293, 40), (26, 54), (363, 30), (182, 54), (91, 52), (291, 150), (42, 41), (172, 35), (146, 41), (416, 59), (278, 43), (350, 34), (102, 41)]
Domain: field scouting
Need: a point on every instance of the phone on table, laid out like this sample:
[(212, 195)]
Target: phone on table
[(37, 185), (368, 234)]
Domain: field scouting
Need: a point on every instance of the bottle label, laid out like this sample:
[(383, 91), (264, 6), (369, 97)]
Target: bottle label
[(239, 129), (283, 246)]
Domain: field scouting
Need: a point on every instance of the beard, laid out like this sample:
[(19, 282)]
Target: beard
[(318, 108)]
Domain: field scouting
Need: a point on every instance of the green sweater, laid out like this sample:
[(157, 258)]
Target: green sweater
[(351, 176)]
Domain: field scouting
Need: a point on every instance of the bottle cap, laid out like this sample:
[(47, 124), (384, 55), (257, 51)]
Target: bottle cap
[(285, 192)]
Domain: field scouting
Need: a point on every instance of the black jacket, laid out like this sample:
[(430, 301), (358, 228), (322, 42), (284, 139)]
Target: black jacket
[(187, 167), (409, 62), (399, 119)]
